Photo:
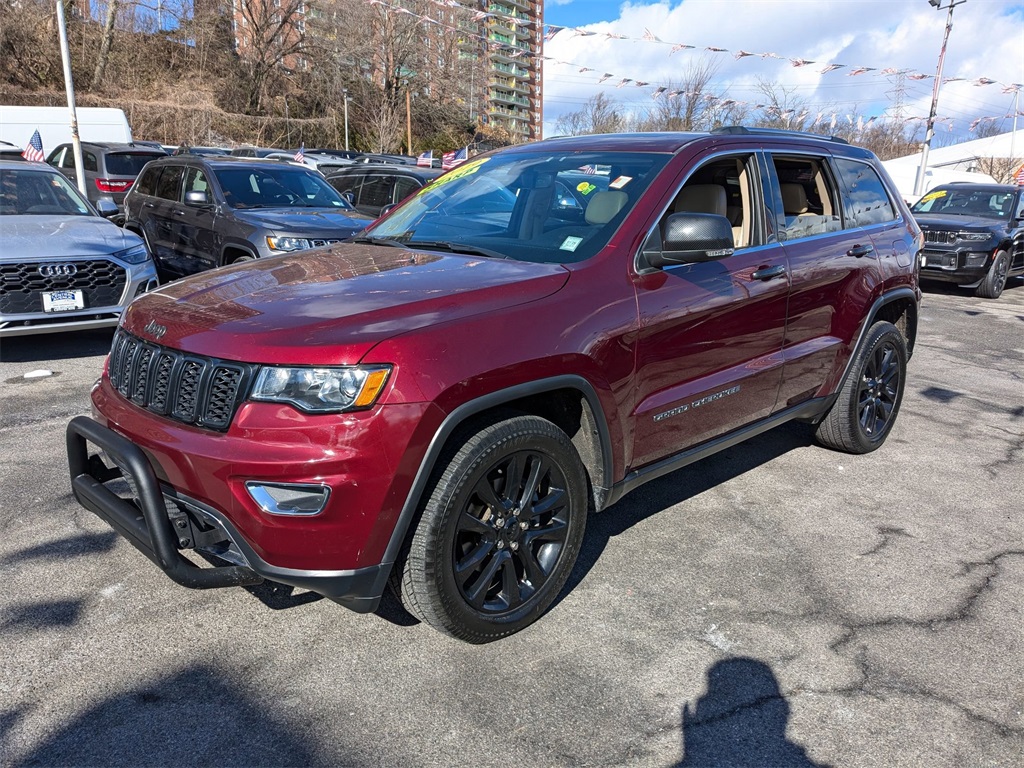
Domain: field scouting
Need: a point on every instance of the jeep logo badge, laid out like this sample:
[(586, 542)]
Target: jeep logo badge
[(154, 329)]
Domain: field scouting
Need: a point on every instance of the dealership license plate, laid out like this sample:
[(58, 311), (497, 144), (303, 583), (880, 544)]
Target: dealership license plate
[(63, 301)]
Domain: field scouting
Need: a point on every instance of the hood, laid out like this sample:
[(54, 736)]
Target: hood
[(330, 305), (41, 238), (942, 221), (322, 222)]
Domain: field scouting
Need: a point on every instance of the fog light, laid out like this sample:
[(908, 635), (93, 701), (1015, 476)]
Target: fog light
[(289, 498), (976, 259)]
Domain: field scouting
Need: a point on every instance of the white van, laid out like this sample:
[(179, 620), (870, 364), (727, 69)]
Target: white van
[(17, 124)]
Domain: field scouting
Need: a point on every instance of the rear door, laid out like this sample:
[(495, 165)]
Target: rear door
[(709, 351), (833, 266), (157, 218), (195, 241)]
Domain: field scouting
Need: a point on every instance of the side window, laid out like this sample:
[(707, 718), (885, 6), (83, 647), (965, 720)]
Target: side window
[(347, 184), (726, 187), (170, 182), (69, 159), (89, 161), (56, 156), (377, 191), (810, 202), (867, 201), (195, 181), (405, 187), (146, 185)]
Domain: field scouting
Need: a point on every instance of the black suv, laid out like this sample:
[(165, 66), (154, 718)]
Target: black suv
[(973, 235), (372, 187), (197, 212), (110, 169)]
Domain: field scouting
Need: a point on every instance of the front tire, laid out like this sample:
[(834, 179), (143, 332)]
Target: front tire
[(992, 285), (500, 532), (863, 414)]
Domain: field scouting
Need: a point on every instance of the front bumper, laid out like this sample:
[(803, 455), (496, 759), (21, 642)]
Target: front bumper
[(160, 523), (960, 266)]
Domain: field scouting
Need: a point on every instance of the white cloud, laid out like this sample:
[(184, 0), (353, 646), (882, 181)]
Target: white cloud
[(987, 41)]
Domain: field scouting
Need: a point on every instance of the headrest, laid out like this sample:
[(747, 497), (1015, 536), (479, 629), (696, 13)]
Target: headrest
[(701, 198), (604, 205), (794, 198)]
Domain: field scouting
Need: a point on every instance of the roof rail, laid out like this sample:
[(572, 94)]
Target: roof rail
[(727, 130)]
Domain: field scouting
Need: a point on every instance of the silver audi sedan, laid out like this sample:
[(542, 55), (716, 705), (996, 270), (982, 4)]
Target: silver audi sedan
[(63, 267)]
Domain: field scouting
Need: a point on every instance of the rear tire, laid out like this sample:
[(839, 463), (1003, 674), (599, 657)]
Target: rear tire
[(499, 533), (992, 286), (863, 414)]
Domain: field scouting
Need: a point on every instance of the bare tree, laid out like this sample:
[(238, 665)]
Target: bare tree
[(271, 35), (599, 115)]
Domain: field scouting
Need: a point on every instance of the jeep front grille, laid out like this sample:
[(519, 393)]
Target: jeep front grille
[(193, 389), (101, 282), (940, 236)]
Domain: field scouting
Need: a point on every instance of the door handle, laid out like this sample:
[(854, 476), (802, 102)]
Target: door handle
[(767, 273), (860, 250), (150, 205)]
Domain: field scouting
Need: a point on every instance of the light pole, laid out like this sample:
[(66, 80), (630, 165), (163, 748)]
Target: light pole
[(408, 119), (919, 184), (344, 95)]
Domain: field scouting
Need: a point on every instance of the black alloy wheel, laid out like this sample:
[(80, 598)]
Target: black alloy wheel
[(499, 533), (992, 285), (880, 386), (866, 406)]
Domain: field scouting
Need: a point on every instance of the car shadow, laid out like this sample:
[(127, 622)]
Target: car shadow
[(676, 487), (740, 721), (65, 345)]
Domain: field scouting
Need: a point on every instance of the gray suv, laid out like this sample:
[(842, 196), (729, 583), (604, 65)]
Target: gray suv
[(199, 212), (110, 168)]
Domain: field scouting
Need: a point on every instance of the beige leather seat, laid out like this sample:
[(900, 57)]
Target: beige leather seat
[(603, 206), (701, 198), (794, 199)]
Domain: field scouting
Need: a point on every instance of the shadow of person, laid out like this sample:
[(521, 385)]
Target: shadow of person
[(740, 721)]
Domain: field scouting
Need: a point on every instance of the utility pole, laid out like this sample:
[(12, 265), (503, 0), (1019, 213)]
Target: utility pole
[(344, 95), (408, 121), (919, 184), (69, 85)]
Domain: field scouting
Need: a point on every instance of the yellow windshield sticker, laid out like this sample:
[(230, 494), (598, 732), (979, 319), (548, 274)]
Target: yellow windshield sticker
[(585, 187), (466, 169), (934, 195)]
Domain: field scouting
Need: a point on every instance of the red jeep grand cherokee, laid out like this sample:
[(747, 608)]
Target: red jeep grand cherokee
[(440, 402)]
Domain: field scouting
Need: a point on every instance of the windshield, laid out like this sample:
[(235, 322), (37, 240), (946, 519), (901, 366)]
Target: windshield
[(29, 192), (533, 206), (284, 187), (956, 201)]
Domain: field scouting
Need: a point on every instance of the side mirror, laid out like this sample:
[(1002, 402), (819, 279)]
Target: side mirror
[(388, 209), (197, 197), (349, 196), (693, 237), (106, 208)]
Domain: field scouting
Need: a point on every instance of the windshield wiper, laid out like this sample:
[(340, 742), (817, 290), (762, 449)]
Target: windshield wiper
[(378, 241), (443, 245)]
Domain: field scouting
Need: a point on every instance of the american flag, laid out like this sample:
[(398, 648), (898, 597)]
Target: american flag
[(1018, 177), (300, 154), (590, 170), (34, 151), (426, 159), (451, 159)]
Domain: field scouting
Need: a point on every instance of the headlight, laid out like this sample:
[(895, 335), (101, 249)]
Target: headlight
[(973, 237), (288, 243), (134, 255), (322, 390)]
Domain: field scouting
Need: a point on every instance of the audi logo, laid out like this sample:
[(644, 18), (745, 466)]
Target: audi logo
[(58, 270)]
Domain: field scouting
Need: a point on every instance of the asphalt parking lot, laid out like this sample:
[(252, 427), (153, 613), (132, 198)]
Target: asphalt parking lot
[(778, 604)]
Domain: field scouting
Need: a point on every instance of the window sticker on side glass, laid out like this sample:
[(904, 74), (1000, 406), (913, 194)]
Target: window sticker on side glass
[(585, 187), (620, 182), (570, 243)]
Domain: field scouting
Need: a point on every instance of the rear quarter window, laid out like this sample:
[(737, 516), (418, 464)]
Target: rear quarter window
[(146, 185), (866, 201)]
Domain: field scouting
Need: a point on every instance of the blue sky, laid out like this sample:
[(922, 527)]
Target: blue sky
[(986, 42)]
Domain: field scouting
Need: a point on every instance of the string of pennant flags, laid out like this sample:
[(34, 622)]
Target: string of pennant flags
[(660, 91)]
